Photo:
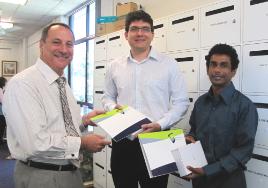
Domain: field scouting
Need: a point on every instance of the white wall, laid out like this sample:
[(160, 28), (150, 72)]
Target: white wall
[(11, 52), (155, 7)]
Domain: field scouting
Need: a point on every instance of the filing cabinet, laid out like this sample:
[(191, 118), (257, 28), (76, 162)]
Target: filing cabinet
[(184, 123), (189, 65), (183, 31), (116, 45), (256, 173), (160, 37), (110, 183), (187, 37), (98, 93), (261, 138), (255, 20), (99, 74), (220, 23), (100, 48), (255, 68), (99, 175), (108, 154), (99, 163)]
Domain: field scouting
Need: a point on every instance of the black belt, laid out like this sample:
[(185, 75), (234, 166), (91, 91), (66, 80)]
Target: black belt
[(49, 166)]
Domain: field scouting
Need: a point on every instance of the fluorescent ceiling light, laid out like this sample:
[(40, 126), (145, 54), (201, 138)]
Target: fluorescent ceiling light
[(6, 25), (18, 2)]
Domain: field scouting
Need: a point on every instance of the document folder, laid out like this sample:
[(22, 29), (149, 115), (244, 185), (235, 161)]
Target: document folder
[(156, 148), (119, 124)]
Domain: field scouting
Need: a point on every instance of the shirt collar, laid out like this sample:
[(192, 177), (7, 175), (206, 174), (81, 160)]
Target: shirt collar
[(152, 55), (226, 94), (49, 74)]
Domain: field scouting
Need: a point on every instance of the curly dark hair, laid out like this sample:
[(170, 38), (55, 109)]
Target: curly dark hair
[(136, 16), (224, 49), (3, 82)]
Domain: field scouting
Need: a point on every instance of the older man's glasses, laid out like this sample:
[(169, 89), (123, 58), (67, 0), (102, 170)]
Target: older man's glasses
[(135, 29)]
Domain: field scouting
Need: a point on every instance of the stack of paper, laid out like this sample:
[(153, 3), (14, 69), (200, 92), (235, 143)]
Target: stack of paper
[(119, 124), (189, 155), (156, 148)]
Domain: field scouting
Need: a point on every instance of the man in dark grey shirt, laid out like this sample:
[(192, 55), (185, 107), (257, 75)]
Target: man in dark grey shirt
[(225, 121)]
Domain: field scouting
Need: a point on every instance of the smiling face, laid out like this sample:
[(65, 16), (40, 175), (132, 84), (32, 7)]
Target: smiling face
[(57, 49), (220, 70), (139, 35)]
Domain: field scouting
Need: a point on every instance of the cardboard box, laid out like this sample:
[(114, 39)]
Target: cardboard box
[(106, 28), (100, 29), (120, 23), (123, 9)]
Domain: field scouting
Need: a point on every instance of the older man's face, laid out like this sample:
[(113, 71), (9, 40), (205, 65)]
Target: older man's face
[(57, 50)]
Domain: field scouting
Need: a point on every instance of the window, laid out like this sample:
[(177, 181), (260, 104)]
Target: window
[(79, 24), (80, 71)]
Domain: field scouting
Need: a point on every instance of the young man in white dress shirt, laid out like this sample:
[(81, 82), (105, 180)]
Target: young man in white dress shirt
[(36, 133), (151, 83)]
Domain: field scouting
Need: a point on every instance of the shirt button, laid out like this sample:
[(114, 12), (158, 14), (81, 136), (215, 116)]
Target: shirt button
[(72, 155)]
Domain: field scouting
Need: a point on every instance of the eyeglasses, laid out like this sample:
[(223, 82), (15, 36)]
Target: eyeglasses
[(142, 29)]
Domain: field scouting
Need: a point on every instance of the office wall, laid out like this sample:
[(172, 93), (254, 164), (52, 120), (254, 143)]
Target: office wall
[(11, 52), (156, 8)]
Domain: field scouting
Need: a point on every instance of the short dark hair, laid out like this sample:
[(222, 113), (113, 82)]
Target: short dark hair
[(46, 29), (224, 49), (3, 82), (136, 16)]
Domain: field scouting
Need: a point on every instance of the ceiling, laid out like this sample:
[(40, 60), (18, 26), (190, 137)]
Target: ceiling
[(33, 16)]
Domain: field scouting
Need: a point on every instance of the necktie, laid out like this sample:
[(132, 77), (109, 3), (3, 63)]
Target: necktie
[(69, 126), (68, 121)]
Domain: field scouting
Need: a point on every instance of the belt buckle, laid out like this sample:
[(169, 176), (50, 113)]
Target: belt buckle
[(60, 167)]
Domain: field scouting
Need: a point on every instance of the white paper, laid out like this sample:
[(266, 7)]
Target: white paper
[(121, 121), (189, 155), (159, 153)]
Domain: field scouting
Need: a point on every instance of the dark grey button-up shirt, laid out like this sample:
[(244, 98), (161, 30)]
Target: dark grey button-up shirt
[(226, 126)]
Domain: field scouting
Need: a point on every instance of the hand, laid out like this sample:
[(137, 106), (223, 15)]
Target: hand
[(93, 142), (196, 172), (118, 106), (151, 127), (86, 119), (189, 139)]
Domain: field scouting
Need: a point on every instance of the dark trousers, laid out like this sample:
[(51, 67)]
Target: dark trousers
[(2, 127), (128, 167), (224, 180)]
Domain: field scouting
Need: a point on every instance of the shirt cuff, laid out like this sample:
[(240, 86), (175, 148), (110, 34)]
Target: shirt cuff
[(109, 107), (73, 147), (212, 169), (162, 124)]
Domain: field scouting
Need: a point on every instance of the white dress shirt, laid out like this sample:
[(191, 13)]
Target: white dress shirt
[(35, 124), (154, 87)]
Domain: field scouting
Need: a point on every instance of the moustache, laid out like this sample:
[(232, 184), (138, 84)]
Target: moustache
[(62, 54)]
